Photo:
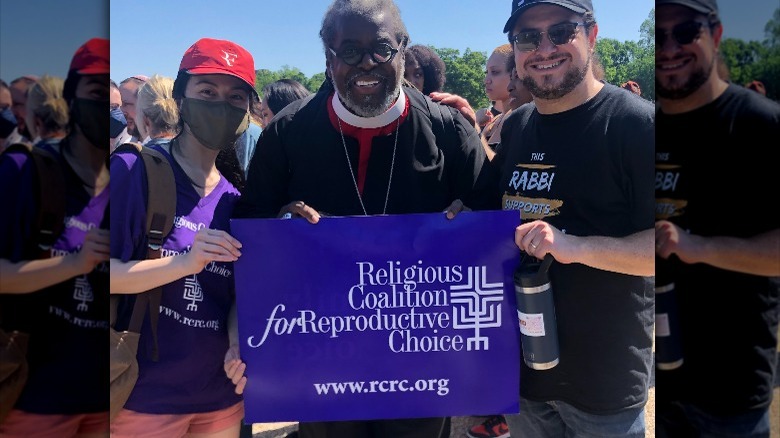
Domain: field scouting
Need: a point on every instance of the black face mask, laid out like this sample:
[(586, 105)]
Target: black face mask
[(90, 116), (7, 122), (117, 122), (216, 125)]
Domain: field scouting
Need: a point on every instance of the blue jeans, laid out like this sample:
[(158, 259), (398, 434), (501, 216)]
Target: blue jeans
[(556, 419), (678, 419)]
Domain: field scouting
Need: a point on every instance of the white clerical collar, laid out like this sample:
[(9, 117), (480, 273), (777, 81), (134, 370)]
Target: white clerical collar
[(379, 121)]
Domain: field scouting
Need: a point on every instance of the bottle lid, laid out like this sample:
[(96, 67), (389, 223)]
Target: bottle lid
[(532, 272)]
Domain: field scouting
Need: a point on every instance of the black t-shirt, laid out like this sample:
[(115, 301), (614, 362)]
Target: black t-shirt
[(589, 172), (301, 157), (717, 175)]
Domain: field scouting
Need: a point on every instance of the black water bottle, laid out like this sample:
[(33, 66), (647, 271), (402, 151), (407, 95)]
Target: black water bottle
[(536, 312), (668, 344)]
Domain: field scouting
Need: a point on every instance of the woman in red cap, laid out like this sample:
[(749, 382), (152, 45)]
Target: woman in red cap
[(185, 391), (54, 279)]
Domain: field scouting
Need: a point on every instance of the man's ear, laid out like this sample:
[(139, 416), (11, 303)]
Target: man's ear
[(594, 31), (717, 34)]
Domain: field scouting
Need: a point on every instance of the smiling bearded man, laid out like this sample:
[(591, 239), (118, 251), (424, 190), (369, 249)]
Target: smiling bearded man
[(577, 162), (367, 144)]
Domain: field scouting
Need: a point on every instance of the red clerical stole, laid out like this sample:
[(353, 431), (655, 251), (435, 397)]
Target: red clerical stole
[(365, 129)]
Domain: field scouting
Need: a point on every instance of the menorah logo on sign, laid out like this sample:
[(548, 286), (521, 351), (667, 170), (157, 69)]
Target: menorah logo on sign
[(479, 306)]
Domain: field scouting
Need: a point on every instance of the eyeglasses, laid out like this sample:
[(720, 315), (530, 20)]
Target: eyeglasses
[(558, 34), (683, 33), (380, 53)]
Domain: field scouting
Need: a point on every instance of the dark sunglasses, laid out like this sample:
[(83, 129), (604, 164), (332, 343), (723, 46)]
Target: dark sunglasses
[(683, 33), (558, 34), (380, 53)]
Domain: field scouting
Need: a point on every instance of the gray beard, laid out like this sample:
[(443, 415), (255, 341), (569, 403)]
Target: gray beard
[(571, 79), (363, 107), (694, 82)]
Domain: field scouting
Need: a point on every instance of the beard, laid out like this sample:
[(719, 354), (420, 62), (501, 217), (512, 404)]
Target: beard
[(548, 90), (371, 105), (694, 82), (135, 132)]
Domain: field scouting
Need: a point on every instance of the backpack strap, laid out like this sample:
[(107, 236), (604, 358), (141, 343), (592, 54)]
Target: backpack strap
[(160, 212), (50, 194)]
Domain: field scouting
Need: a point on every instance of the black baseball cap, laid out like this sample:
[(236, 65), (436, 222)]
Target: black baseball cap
[(703, 6), (518, 6)]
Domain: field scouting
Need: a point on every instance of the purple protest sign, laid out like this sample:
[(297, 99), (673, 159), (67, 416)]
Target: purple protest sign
[(359, 318)]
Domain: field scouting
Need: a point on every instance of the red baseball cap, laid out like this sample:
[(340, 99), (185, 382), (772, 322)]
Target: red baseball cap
[(210, 56), (92, 58)]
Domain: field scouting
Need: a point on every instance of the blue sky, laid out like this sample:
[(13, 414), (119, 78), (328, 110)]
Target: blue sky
[(286, 32), (40, 36), (150, 36)]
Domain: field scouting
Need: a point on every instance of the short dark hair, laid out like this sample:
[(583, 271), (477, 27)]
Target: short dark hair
[(757, 86), (69, 88), (589, 20), (632, 87), (432, 65), (283, 92), (367, 9), (132, 79), (26, 79)]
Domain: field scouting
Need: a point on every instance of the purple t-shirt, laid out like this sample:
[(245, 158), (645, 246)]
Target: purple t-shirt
[(67, 322), (192, 331)]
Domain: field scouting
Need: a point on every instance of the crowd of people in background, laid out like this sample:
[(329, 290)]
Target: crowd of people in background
[(232, 147)]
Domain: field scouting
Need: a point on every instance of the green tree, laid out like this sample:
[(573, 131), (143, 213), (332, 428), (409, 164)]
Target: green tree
[(647, 31), (465, 74), (643, 67), (742, 58), (264, 77), (631, 60), (751, 60), (772, 30), (315, 82)]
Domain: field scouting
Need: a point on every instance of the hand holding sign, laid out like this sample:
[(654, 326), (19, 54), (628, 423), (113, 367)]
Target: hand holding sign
[(212, 246), (234, 369), (299, 209)]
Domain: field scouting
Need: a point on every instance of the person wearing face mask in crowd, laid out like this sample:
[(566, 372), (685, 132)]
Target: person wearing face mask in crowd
[(7, 119), (117, 122), (157, 115), (60, 297), (47, 111), (185, 391)]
